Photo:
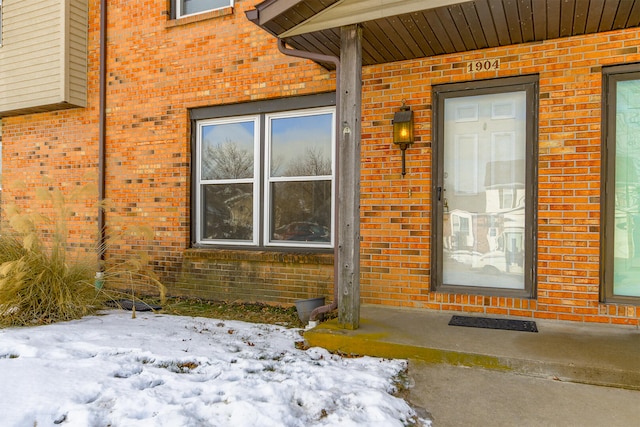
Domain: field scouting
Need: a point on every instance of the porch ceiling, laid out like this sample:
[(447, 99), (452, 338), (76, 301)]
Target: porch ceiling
[(394, 30)]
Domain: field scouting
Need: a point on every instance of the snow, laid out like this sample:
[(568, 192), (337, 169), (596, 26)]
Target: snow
[(161, 370)]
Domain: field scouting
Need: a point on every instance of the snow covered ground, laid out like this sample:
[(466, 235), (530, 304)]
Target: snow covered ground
[(160, 370)]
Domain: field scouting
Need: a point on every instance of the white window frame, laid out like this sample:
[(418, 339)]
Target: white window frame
[(262, 180), (268, 179), (179, 14), (200, 183)]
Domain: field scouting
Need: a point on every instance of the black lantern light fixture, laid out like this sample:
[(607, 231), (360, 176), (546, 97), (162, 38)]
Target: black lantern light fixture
[(403, 131)]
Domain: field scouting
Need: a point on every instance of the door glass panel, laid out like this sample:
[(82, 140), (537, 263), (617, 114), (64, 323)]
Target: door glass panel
[(627, 190), (483, 218)]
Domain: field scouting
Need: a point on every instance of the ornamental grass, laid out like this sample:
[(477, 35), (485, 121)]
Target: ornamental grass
[(43, 281)]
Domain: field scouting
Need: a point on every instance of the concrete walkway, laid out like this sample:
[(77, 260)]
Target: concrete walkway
[(552, 377)]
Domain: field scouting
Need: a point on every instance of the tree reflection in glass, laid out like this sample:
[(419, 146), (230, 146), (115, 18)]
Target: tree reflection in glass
[(300, 185), (227, 174)]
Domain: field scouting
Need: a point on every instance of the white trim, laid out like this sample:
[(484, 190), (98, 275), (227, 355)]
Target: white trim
[(201, 182), (462, 109), (495, 108), (499, 148), (268, 179), (465, 143)]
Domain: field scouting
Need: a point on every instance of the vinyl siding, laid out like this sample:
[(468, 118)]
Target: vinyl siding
[(77, 52), (43, 58)]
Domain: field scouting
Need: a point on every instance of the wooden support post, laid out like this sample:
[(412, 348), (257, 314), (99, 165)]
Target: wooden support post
[(349, 180)]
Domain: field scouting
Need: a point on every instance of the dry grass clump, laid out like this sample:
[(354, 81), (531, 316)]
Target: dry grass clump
[(43, 281), (38, 282), (37, 286)]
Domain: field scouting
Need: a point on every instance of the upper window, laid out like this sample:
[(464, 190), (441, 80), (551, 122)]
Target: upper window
[(192, 7), (621, 184), (266, 179)]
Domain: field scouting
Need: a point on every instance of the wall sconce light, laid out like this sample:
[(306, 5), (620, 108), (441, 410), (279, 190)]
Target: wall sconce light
[(403, 131)]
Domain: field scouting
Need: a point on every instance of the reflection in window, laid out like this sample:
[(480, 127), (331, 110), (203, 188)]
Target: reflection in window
[(301, 211), (300, 181), (227, 151), (228, 212), (484, 167), (190, 7), (301, 146), (227, 177), (627, 189)]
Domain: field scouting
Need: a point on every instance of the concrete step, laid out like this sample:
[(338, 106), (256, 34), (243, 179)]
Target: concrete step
[(595, 354)]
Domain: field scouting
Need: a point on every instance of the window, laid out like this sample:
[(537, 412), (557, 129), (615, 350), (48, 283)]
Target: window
[(265, 179), (484, 166), (192, 7), (228, 179), (620, 238)]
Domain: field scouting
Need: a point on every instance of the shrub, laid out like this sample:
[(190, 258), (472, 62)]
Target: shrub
[(37, 286), (43, 281), (37, 283)]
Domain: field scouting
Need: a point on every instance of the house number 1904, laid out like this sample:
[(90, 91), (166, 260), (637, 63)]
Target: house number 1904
[(484, 65)]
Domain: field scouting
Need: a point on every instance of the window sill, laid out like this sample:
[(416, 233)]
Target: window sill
[(297, 257), (218, 13)]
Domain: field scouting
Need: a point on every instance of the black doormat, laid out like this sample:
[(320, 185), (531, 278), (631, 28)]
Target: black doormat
[(127, 304), (489, 323)]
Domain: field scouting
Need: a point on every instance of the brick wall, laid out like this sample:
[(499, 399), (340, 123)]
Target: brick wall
[(159, 68), (254, 276), (396, 211)]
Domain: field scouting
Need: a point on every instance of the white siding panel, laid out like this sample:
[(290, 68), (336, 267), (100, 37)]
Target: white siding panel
[(77, 20), (43, 59)]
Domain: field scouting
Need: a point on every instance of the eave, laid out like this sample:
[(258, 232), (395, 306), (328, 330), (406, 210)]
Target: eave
[(395, 30)]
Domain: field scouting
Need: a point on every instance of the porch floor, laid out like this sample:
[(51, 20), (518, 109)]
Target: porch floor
[(573, 352)]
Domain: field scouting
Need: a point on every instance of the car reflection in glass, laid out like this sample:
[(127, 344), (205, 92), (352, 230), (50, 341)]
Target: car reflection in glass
[(302, 232)]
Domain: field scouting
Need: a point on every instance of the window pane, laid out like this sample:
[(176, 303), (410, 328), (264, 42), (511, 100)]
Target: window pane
[(227, 212), (301, 146), (627, 190), (194, 6), (227, 151), (302, 211), (484, 190)]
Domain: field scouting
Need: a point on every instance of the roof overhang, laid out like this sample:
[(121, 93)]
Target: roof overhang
[(395, 30), (347, 12)]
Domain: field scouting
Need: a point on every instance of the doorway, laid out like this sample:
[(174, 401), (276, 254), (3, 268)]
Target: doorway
[(484, 186)]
